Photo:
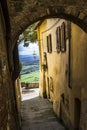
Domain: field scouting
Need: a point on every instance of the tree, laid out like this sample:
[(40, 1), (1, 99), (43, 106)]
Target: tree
[(29, 35)]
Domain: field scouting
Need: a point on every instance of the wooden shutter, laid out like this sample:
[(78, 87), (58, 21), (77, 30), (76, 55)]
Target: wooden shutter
[(58, 39), (47, 44), (63, 38), (50, 43)]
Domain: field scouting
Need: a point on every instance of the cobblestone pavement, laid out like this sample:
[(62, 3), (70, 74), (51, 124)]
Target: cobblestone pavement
[(37, 113)]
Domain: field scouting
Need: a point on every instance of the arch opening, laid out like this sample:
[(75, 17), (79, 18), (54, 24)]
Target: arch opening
[(62, 15)]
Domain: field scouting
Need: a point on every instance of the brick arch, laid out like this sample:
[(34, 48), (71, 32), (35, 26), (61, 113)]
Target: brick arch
[(31, 11)]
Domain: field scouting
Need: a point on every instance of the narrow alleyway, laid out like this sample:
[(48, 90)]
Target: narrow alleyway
[(37, 113)]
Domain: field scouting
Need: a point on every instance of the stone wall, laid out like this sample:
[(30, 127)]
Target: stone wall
[(18, 92), (25, 12), (30, 85), (8, 107)]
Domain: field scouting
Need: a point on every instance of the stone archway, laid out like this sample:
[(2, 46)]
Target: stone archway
[(25, 12)]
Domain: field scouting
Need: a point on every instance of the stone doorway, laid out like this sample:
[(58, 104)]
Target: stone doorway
[(77, 113)]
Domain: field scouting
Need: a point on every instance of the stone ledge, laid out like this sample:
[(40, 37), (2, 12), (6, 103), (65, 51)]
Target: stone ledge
[(29, 85)]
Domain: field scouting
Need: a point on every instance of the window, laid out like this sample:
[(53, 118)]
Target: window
[(58, 39), (49, 43), (63, 38)]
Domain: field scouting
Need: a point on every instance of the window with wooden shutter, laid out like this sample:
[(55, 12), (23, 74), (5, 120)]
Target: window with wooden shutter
[(47, 44), (58, 39), (63, 38), (50, 43)]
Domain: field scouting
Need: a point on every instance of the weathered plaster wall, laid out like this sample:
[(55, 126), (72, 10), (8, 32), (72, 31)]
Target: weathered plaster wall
[(79, 71), (41, 39), (61, 67)]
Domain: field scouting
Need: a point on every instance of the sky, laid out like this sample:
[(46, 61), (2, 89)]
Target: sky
[(28, 50)]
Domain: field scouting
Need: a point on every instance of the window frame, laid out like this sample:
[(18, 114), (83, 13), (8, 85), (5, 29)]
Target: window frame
[(63, 38), (58, 39), (49, 43)]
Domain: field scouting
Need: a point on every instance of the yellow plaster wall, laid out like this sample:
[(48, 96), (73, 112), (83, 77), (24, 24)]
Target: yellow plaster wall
[(57, 69), (79, 72)]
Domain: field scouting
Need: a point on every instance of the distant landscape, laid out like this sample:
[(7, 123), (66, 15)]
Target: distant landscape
[(30, 68)]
